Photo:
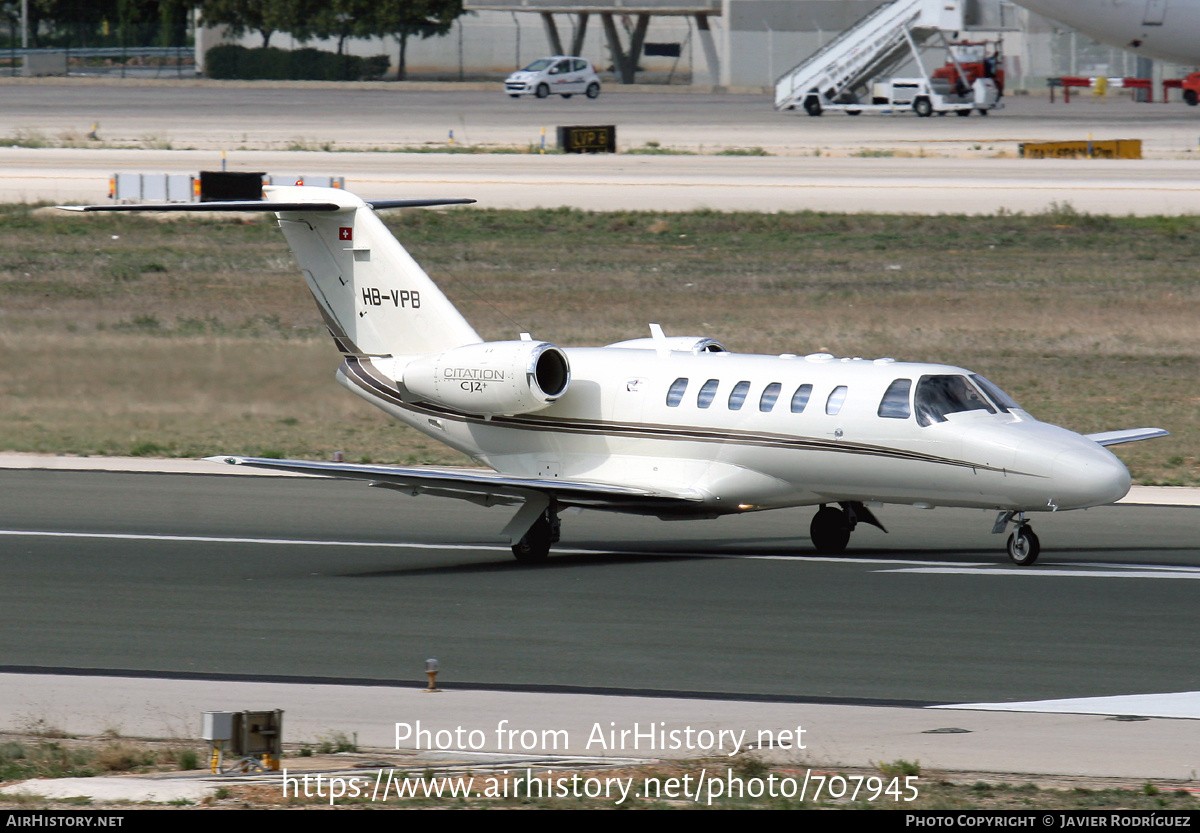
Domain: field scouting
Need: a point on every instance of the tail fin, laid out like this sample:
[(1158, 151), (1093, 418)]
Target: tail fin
[(374, 297)]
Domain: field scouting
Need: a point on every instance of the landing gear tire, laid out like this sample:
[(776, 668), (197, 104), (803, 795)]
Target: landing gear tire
[(812, 105), (534, 547), (1191, 97), (923, 108), (593, 90), (829, 531), (1023, 547), (543, 91)]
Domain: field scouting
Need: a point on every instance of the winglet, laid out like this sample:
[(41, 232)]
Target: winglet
[(1128, 435)]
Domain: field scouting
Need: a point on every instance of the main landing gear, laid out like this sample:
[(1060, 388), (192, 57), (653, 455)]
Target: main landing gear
[(1023, 545), (534, 546), (830, 528)]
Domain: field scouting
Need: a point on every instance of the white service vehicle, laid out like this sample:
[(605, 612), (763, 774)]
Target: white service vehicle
[(926, 97), (557, 75), (846, 73)]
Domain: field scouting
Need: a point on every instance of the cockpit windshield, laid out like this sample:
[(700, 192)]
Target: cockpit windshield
[(1002, 400), (938, 396)]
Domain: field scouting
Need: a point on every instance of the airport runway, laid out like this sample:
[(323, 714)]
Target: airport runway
[(264, 577), (312, 578), (274, 115), (834, 163)]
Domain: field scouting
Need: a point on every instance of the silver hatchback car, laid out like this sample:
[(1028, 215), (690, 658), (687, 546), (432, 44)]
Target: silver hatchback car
[(557, 75)]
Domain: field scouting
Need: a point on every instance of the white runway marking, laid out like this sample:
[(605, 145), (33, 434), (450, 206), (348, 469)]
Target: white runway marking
[(837, 559), (1113, 571), (206, 539), (294, 541), (1182, 569), (913, 566), (1183, 704)]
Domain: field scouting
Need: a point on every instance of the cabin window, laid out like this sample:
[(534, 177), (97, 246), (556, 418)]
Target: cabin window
[(800, 398), (834, 403), (707, 393), (675, 394), (938, 396), (894, 404), (770, 393), (737, 396)]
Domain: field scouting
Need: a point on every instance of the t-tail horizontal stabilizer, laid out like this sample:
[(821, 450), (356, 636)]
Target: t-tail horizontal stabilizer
[(262, 205)]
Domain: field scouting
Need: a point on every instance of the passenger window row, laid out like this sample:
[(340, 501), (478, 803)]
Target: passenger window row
[(766, 400), (936, 397)]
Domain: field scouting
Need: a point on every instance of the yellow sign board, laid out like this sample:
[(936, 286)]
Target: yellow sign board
[(1106, 149)]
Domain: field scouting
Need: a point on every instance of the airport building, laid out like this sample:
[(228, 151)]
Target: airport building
[(732, 44)]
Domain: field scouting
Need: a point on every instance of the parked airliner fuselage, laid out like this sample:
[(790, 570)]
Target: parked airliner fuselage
[(1165, 29)]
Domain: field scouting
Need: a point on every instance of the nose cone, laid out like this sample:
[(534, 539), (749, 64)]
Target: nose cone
[(1088, 475)]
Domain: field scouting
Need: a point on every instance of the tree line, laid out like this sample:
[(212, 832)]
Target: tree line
[(164, 22)]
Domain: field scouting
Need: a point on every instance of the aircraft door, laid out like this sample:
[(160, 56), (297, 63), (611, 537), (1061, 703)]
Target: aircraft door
[(1156, 11)]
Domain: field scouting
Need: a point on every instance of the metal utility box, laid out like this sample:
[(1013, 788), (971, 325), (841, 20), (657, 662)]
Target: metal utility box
[(41, 62), (216, 186), (217, 726), (316, 181), (129, 187), (257, 734)]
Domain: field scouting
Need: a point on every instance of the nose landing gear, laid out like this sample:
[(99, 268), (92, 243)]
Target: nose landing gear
[(1023, 545)]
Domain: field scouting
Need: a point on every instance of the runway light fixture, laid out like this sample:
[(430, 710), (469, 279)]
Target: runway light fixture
[(431, 671)]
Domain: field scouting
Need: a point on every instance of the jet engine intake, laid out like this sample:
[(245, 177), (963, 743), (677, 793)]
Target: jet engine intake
[(493, 378)]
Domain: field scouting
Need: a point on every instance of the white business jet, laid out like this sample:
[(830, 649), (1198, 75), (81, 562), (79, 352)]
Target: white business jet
[(1165, 29), (676, 427)]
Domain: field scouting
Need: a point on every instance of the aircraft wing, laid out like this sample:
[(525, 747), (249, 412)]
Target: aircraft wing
[(1128, 435), (485, 487)]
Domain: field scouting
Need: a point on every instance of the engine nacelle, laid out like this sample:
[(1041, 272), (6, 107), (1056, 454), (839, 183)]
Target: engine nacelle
[(493, 378)]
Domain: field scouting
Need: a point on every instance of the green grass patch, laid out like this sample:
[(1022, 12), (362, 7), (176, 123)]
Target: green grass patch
[(198, 336), (655, 149), (754, 151)]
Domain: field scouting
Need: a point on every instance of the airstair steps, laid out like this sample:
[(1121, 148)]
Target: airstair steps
[(877, 44)]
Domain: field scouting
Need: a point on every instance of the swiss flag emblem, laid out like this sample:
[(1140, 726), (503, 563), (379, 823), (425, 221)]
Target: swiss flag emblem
[(345, 233)]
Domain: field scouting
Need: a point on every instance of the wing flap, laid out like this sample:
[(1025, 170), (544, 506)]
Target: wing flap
[(481, 485), (1127, 435)]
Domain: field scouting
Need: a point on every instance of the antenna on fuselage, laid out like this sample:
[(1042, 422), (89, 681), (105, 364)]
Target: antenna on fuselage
[(660, 339)]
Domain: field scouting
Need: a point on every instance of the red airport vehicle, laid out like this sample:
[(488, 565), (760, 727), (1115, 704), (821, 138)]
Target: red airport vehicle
[(976, 59)]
